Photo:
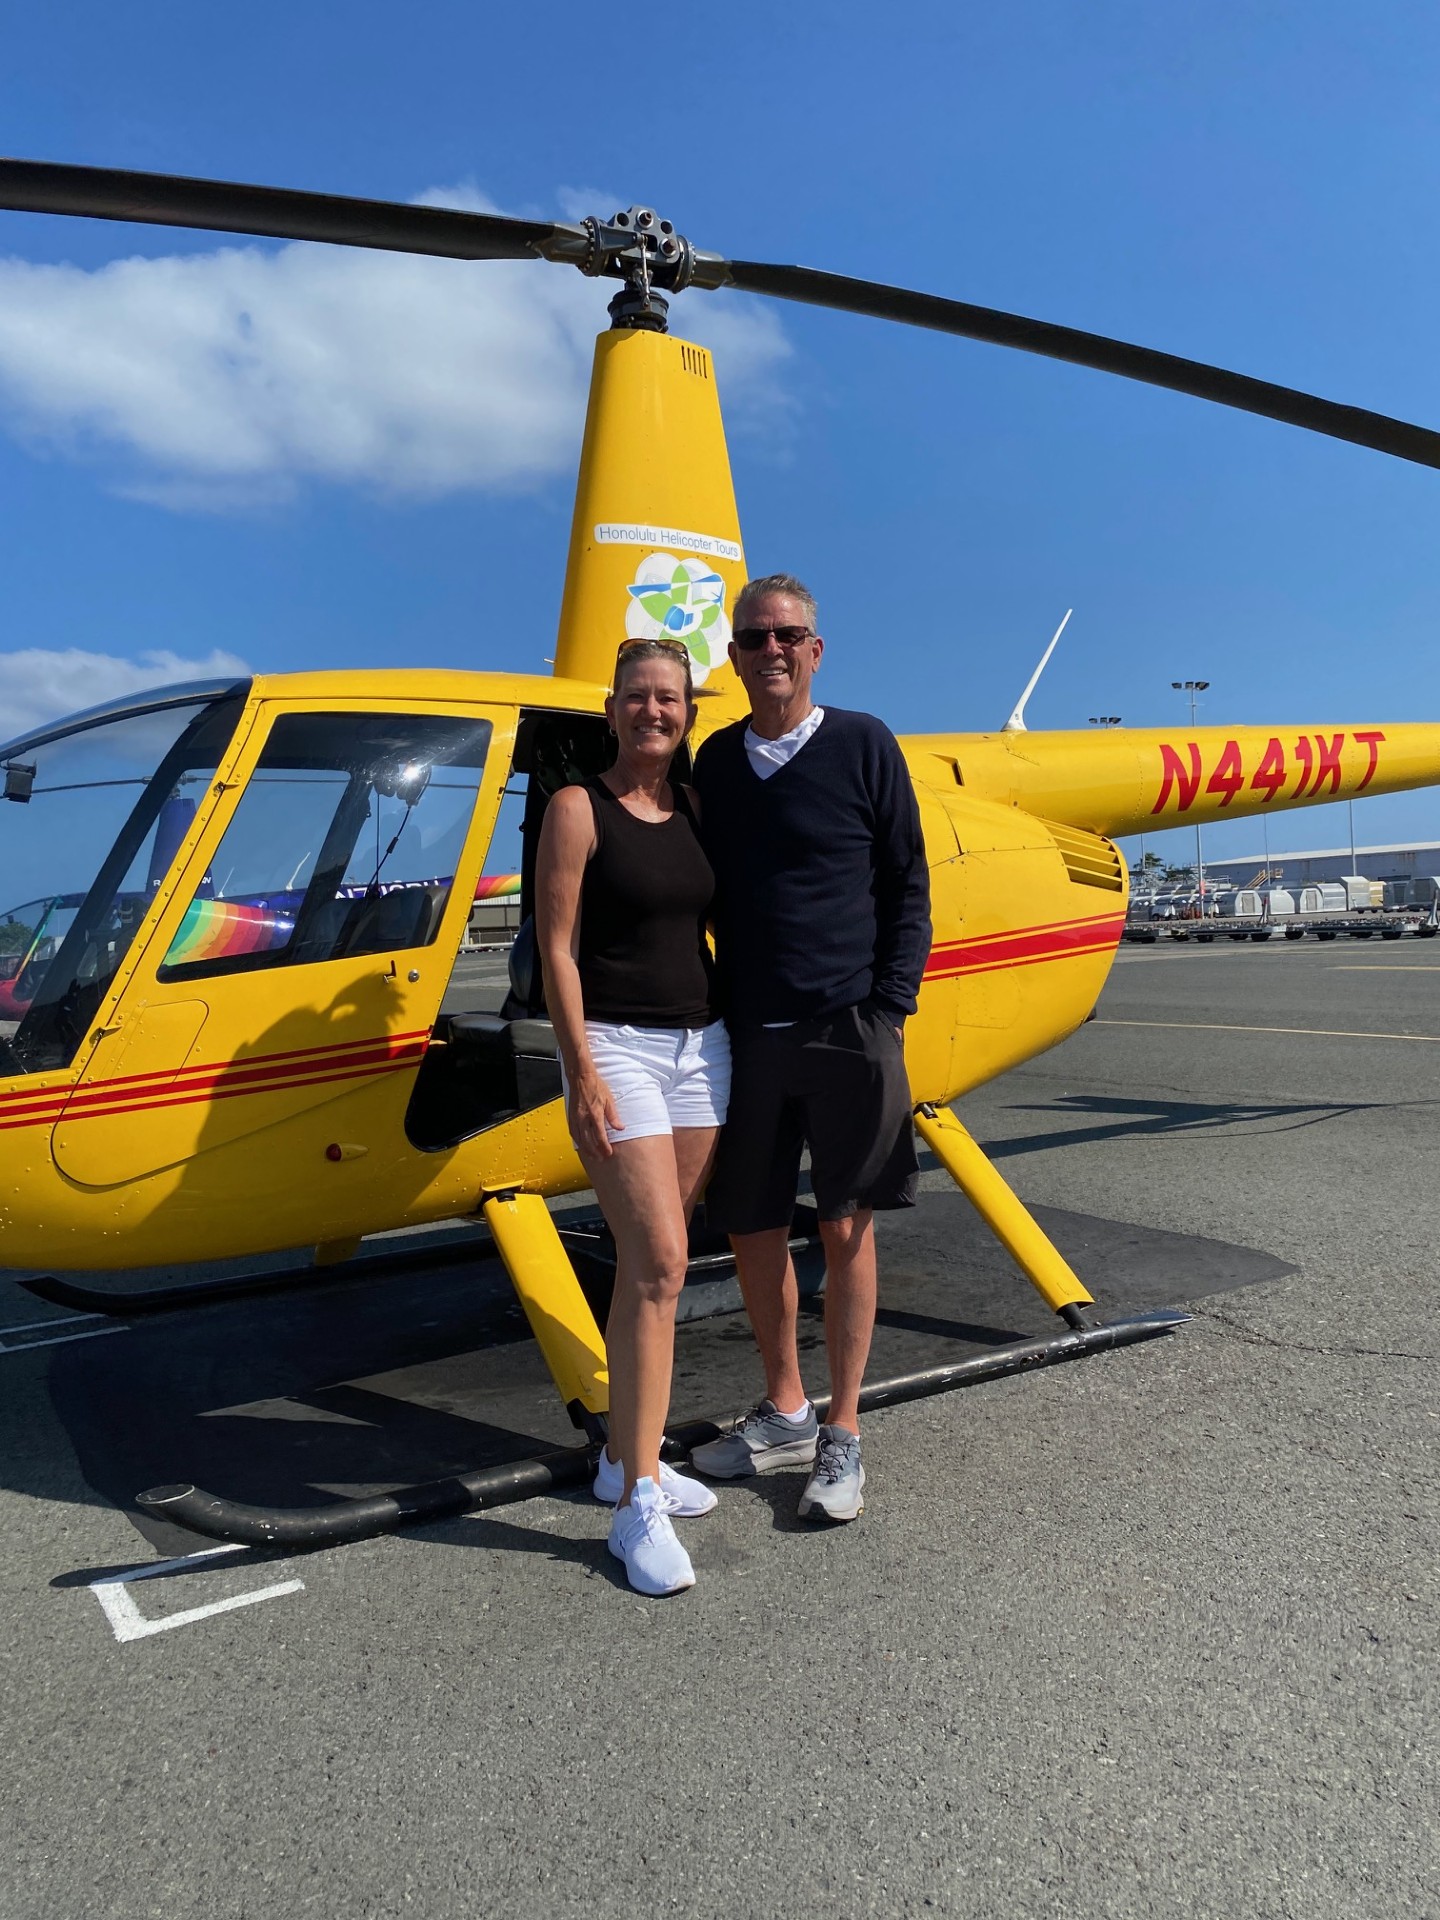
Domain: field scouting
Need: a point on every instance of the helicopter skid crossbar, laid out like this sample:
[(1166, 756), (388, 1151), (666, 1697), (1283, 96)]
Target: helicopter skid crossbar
[(345, 1520)]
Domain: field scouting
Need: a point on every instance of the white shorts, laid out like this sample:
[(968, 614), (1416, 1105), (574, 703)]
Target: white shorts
[(661, 1078)]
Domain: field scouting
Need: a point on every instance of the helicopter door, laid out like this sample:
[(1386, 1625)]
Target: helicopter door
[(490, 1066), (289, 987)]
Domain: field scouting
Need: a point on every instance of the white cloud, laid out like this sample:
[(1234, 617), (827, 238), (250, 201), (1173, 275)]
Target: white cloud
[(226, 378), (39, 684)]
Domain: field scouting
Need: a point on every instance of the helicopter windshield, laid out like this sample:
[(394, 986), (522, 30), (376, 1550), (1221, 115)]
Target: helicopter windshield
[(344, 842), (103, 805)]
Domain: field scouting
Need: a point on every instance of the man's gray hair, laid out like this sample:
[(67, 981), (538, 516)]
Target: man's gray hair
[(754, 590)]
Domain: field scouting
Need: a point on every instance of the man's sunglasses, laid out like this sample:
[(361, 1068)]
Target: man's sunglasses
[(751, 639)]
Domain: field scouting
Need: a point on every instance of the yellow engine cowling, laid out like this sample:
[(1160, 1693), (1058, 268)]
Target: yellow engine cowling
[(1027, 916)]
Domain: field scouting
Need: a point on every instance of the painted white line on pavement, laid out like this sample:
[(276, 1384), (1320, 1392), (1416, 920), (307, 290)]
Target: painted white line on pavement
[(56, 1340), (128, 1623), (1315, 1033), (35, 1326)]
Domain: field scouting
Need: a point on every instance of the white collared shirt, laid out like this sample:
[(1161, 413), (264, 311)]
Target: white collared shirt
[(768, 756)]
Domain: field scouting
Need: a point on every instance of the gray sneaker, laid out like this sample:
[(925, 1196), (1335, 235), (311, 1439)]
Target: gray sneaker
[(759, 1443), (835, 1490)]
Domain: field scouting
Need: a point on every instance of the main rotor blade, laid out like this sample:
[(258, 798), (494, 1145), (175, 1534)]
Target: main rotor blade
[(881, 302), (105, 193), (281, 213)]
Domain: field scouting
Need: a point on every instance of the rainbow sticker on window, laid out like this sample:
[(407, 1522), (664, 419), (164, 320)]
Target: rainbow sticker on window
[(223, 930)]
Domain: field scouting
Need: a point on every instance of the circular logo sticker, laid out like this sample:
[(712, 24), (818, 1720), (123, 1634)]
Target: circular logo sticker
[(674, 599)]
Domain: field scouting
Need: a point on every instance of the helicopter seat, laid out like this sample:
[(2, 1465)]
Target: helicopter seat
[(485, 1068), (512, 1065), (492, 1033), (379, 923), (475, 1032), (536, 1049), (526, 998), (391, 922), (537, 1062)]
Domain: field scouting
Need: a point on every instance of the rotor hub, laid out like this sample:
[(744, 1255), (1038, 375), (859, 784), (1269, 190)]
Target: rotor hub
[(652, 259)]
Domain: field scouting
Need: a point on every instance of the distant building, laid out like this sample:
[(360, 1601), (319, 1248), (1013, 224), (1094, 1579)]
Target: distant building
[(1418, 859)]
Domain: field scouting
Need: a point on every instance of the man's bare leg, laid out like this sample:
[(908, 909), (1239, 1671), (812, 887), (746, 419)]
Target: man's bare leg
[(850, 1295), (772, 1300)]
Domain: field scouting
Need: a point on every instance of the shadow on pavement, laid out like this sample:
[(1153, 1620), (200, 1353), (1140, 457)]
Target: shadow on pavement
[(1129, 1117), (370, 1384)]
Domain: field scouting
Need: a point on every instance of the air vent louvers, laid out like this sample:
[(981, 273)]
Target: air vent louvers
[(1089, 860)]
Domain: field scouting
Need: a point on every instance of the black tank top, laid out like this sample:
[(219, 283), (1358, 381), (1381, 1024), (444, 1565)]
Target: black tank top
[(644, 901)]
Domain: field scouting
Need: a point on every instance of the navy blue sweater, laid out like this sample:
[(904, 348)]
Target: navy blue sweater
[(822, 893)]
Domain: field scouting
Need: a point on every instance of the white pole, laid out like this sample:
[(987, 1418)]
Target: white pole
[(1191, 688), (1199, 852)]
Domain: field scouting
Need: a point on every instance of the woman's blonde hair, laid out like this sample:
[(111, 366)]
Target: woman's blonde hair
[(635, 652)]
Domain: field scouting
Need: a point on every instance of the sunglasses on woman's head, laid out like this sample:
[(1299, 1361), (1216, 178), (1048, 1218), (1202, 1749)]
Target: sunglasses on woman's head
[(677, 647)]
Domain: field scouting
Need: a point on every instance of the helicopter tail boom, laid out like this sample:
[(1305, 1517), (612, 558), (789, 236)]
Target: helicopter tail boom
[(1121, 782)]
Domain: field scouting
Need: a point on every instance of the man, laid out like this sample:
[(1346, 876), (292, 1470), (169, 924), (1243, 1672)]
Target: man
[(822, 928)]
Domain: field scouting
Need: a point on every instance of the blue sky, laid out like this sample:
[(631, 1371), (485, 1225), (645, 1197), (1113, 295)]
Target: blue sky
[(1250, 184)]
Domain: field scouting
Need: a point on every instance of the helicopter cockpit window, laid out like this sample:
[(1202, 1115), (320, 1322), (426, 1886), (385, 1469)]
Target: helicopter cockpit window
[(344, 842), (84, 852)]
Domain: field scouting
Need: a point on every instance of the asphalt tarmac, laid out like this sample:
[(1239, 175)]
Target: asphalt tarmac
[(1154, 1633)]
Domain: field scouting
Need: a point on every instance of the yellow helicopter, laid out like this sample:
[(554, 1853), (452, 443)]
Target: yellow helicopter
[(227, 1036)]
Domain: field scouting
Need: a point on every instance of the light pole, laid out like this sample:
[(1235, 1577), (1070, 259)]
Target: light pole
[(1191, 688)]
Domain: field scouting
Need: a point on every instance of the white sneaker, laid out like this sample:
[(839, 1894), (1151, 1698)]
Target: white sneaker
[(683, 1497), (641, 1535)]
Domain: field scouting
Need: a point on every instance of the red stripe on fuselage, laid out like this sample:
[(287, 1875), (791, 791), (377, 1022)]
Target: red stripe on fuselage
[(1063, 940), (267, 1073), (208, 1097)]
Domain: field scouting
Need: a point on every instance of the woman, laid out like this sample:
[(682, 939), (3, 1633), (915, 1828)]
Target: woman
[(623, 891)]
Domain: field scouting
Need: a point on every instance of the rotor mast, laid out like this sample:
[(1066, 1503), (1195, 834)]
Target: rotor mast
[(655, 548)]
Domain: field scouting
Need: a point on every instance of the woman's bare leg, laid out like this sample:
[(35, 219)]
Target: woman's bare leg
[(646, 1189), (694, 1157)]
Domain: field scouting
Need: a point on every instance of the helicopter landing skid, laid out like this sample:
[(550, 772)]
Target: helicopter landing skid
[(342, 1521), (527, 1240)]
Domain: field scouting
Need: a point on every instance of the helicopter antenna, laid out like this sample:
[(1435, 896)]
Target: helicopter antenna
[(1016, 722)]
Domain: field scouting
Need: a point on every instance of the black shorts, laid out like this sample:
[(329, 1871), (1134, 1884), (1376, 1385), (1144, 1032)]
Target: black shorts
[(836, 1085)]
